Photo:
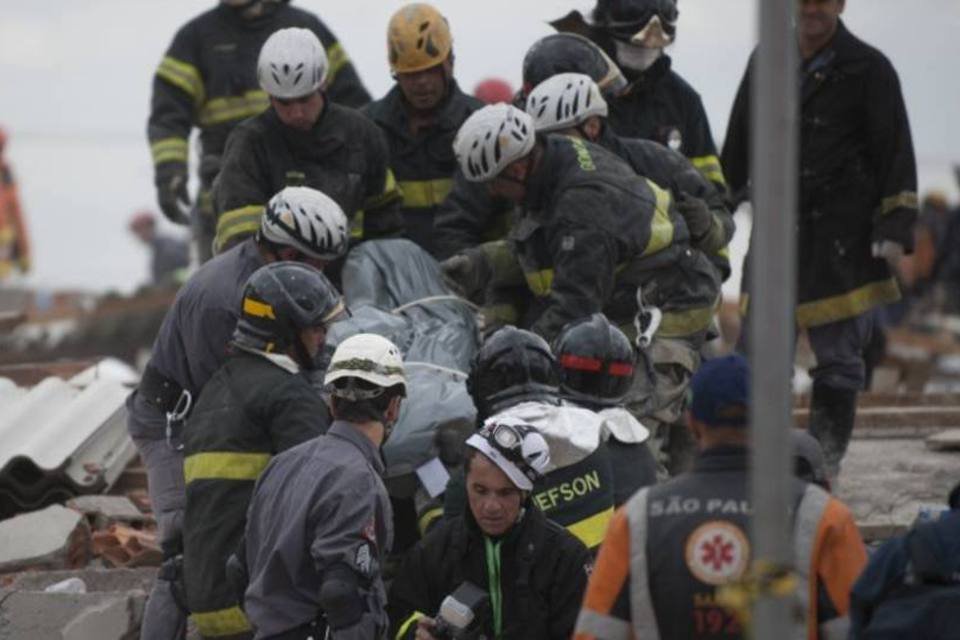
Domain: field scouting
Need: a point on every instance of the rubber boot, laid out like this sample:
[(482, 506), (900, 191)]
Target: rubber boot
[(832, 414)]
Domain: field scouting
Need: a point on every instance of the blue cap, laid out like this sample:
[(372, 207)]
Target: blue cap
[(721, 392)]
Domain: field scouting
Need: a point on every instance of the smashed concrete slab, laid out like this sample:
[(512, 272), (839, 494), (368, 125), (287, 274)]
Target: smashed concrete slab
[(122, 546), (52, 538), (105, 510), (948, 440)]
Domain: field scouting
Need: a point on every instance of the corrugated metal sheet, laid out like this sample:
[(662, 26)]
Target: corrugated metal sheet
[(61, 438)]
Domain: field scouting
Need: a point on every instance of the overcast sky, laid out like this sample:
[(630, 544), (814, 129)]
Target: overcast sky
[(75, 88)]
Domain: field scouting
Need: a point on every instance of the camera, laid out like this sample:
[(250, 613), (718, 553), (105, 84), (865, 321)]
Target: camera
[(461, 613)]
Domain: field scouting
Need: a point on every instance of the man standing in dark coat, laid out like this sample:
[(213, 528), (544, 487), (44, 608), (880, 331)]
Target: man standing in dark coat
[(857, 205)]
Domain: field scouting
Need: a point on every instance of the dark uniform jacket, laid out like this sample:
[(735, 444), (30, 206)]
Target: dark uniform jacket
[(659, 105), (423, 163), (208, 79), (542, 575), (253, 407), (318, 505), (344, 156), (671, 170), (858, 178), (468, 217), (592, 231)]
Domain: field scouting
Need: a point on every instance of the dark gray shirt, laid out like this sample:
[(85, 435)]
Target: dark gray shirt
[(317, 505), (168, 255)]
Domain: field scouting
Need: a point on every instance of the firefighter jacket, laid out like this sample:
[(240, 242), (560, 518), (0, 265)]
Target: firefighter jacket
[(208, 79), (344, 156), (192, 341), (468, 217), (537, 572), (591, 233), (256, 405), (672, 171), (14, 242), (339, 517), (858, 178), (580, 488), (422, 162), (672, 545), (659, 105)]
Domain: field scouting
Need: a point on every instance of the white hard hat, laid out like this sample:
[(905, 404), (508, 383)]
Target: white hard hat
[(565, 100), (517, 448), (368, 357), (307, 220), (490, 139), (292, 63)]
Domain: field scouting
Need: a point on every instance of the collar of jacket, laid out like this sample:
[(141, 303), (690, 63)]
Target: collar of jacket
[(281, 360), (639, 80), (323, 138), (346, 431), (391, 111), (722, 458), (541, 185)]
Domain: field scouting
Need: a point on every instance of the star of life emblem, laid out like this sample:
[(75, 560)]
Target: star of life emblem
[(717, 552)]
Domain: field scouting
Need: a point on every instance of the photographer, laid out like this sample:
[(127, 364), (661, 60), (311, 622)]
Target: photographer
[(533, 570)]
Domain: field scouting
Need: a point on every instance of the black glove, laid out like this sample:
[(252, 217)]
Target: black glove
[(467, 272), (172, 196), (696, 214)]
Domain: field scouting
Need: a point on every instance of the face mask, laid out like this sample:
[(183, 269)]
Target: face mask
[(635, 57)]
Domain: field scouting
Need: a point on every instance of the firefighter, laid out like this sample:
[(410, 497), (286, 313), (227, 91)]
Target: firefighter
[(672, 545), (320, 522), (299, 225), (596, 364), (259, 403), (207, 79), (14, 242), (857, 205), (533, 571), (657, 104), (304, 139), (421, 114)]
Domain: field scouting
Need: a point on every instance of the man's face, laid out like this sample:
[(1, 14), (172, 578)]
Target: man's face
[(494, 500), (818, 18), (511, 183), (299, 113), (425, 89)]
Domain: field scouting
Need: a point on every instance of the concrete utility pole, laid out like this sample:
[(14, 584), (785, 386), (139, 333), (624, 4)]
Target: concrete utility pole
[(772, 299)]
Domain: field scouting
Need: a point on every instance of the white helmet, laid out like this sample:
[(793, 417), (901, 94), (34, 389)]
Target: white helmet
[(491, 139), (368, 357), (516, 447), (565, 100), (292, 63), (307, 220)]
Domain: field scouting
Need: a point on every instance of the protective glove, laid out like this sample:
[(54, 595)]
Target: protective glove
[(172, 197), (464, 272), (696, 214)]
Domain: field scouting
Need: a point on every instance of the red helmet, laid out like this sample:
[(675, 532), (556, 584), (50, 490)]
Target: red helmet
[(493, 90), (142, 219)]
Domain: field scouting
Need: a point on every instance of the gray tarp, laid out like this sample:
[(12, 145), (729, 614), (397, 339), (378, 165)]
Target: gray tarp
[(395, 289)]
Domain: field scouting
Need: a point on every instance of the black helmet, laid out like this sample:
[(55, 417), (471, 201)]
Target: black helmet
[(571, 53), (622, 19), (596, 362), (282, 299), (512, 366)]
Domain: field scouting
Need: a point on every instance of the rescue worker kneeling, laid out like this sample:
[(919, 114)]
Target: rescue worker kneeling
[(533, 570), (320, 521), (257, 404)]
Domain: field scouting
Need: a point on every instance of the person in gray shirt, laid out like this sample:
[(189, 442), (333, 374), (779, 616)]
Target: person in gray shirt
[(320, 521)]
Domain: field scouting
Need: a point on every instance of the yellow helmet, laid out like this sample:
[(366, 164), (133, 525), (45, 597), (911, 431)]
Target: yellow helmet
[(418, 37)]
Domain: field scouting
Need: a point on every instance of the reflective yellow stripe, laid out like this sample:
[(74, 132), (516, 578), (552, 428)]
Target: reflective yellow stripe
[(356, 225), (591, 530), (416, 615), (420, 194), (676, 324), (224, 465), (847, 305), (710, 167), (230, 108), (427, 519), (390, 193), (540, 282), (505, 313), (223, 622), (183, 75), (904, 200), (661, 227), (258, 309), (242, 221), (724, 252), (336, 59), (169, 150)]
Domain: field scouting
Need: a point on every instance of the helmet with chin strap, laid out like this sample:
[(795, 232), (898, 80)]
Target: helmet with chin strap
[(492, 138), (564, 101), (596, 362)]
